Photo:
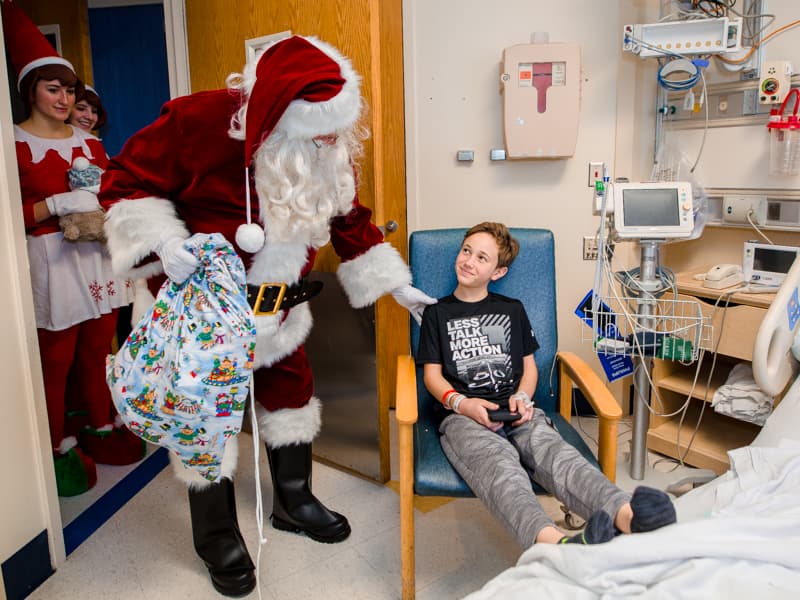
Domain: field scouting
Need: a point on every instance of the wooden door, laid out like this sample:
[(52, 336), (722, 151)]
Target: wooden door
[(369, 32)]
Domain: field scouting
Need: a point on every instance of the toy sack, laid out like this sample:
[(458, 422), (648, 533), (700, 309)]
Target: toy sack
[(181, 378)]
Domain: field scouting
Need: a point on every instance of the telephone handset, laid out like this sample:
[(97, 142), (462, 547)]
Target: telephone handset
[(723, 275), (721, 271)]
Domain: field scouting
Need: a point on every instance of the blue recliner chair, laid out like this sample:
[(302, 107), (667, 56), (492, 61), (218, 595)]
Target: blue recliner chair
[(424, 468)]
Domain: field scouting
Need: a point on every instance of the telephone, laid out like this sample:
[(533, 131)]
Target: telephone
[(723, 275)]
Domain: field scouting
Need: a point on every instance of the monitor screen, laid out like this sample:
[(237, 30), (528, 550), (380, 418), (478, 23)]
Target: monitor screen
[(652, 210), (651, 207), (777, 261)]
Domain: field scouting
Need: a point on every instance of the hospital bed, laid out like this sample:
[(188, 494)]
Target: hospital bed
[(737, 536)]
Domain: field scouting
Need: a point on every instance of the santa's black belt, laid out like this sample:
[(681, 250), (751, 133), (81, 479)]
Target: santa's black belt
[(269, 298)]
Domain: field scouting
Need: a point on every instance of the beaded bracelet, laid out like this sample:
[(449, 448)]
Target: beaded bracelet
[(522, 395)]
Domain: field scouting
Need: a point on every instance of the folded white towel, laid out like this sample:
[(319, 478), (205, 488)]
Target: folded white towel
[(739, 397)]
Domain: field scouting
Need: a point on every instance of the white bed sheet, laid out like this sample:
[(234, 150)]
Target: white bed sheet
[(782, 430), (736, 537)]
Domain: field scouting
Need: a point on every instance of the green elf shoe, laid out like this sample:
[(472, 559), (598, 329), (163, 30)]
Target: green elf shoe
[(76, 473)]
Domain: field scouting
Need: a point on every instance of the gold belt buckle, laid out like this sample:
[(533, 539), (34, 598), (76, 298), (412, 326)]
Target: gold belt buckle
[(276, 303)]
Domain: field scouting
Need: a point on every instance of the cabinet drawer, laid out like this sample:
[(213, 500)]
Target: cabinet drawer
[(734, 327)]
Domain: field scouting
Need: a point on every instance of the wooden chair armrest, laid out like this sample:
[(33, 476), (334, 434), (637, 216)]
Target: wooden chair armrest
[(406, 414), (406, 390), (573, 369)]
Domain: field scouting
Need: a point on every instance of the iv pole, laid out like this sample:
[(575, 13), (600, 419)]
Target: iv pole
[(645, 319)]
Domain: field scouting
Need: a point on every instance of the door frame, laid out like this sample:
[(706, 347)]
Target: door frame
[(35, 410), (180, 83)]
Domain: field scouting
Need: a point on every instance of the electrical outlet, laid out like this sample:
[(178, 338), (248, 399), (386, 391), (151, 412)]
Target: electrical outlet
[(744, 209), (595, 172), (589, 247)]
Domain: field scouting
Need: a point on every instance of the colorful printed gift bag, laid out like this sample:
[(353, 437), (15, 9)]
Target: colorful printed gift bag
[(181, 379)]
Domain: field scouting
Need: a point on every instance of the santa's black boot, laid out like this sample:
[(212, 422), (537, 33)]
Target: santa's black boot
[(294, 507), (217, 538)]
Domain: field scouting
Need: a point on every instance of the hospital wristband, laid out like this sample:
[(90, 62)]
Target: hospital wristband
[(446, 398), (456, 401)]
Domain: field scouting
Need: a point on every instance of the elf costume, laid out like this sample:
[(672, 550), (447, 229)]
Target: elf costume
[(189, 172)]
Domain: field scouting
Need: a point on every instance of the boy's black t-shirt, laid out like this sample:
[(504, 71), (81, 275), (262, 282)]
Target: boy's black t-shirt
[(480, 345)]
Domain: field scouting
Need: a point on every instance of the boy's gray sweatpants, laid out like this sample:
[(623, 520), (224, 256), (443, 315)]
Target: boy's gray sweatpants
[(497, 469)]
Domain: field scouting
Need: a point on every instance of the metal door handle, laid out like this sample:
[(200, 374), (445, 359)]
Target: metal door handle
[(390, 227)]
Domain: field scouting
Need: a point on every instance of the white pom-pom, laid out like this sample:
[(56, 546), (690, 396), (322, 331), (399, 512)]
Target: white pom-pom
[(250, 237), (81, 163)]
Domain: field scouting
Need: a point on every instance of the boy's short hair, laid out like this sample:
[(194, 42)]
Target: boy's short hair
[(507, 246)]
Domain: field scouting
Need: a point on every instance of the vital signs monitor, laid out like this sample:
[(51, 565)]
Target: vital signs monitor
[(653, 210)]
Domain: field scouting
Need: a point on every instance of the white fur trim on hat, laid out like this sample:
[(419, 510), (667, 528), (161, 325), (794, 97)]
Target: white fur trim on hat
[(369, 276), (194, 480), (41, 62), (288, 426), (135, 228)]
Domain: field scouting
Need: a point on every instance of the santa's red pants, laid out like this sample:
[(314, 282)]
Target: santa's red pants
[(73, 367), (286, 384)]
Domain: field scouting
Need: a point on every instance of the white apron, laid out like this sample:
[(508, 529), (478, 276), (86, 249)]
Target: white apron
[(72, 281)]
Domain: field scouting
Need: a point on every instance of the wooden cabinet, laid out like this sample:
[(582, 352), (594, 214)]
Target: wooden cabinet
[(708, 434)]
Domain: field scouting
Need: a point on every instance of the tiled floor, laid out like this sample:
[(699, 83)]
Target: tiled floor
[(145, 550)]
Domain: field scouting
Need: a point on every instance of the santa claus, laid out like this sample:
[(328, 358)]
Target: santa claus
[(286, 132)]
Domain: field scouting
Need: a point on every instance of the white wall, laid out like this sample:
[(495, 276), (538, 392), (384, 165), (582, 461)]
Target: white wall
[(453, 50)]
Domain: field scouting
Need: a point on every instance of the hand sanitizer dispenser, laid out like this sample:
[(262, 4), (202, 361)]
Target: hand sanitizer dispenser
[(540, 83)]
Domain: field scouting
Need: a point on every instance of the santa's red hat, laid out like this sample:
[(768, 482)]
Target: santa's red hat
[(303, 87), (27, 46)]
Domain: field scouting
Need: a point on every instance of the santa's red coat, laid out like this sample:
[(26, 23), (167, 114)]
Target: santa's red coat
[(184, 174)]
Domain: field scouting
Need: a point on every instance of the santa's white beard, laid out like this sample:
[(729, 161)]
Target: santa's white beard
[(301, 187)]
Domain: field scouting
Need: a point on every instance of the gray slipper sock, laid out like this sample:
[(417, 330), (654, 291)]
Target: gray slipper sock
[(599, 529), (652, 509)]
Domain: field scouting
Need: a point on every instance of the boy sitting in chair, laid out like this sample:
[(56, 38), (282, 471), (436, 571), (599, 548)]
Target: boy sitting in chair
[(477, 350)]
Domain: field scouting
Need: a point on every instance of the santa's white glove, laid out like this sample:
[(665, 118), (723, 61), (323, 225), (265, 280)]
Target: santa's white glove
[(413, 300), (76, 201), (177, 261)]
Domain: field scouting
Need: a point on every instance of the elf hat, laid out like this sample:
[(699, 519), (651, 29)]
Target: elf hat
[(27, 47), (303, 87)]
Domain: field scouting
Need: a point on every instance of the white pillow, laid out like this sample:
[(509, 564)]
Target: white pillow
[(796, 345), (784, 422)]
